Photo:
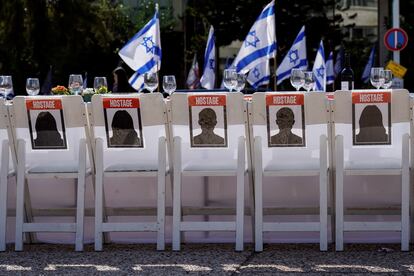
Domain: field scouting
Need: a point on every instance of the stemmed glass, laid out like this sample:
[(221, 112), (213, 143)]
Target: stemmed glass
[(230, 79), (32, 86), (309, 82), (151, 81), (297, 78), (241, 82), (6, 86), (99, 82), (387, 79), (75, 84), (168, 84), (377, 77)]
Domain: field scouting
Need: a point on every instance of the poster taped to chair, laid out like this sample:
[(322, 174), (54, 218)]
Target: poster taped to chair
[(208, 120), (285, 120), (123, 125), (371, 118), (46, 124)]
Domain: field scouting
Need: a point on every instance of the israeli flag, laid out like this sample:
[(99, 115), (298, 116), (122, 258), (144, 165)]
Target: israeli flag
[(143, 52), (330, 75), (368, 66), (295, 58), (319, 69), (260, 42), (259, 75), (209, 77), (339, 62)]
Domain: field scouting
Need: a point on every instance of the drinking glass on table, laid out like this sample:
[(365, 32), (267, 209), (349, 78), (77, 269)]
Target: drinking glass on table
[(297, 78), (99, 82), (387, 79), (230, 79), (377, 77), (309, 82), (75, 84), (6, 86), (168, 84), (151, 81), (241, 82), (32, 86)]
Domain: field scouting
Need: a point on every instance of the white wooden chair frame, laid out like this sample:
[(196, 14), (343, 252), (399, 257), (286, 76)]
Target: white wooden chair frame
[(158, 226), (4, 175), (403, 226), (179, 225), (259, 173)]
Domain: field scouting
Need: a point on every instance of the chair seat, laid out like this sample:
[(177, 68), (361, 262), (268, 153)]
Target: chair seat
[(292, 172), (131, 168), (53, 168)]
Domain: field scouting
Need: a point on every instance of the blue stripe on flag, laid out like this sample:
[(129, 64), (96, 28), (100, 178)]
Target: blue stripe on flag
[(303, 62), (299, 38), (255, 55), (318, 85), (144, 29), (267, 12), (262, 80), (207, 54)]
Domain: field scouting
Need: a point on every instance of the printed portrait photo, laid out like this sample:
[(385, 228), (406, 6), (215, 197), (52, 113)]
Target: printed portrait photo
[(123, 128), (208, 126), (286, 126), (371, 124), (47, 129)]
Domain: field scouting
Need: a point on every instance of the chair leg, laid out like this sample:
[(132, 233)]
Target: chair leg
[(176, 235), (3, 193), (258, 194), (161, 176), (405, 198), (323, 195), (240, 194), (339, 195), (80, 201), (20, 196), (98, 195)]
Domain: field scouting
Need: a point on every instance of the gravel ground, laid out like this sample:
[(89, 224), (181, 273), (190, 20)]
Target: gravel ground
[(212, 259)]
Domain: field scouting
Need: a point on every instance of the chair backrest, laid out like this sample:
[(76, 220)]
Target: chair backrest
[(5, 134), (130, 126), (209, 125), (52, 128), (290, 125), (372, 124)]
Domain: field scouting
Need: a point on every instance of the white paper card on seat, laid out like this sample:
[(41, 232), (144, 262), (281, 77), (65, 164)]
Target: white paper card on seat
[(208, 120), (285, 120), (123, 125), (46, 124), (371, 118)]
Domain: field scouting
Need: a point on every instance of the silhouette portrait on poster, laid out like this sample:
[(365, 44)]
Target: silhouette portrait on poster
[(46, 124), (371, 127), (208, 121), (285, 119), (123, 132)]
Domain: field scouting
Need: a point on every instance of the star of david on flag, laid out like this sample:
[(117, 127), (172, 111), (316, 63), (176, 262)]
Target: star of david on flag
[(143, 52), (319, 69), (330, 75), (259, 75), (260, 42), (295, 58), (208, 79)]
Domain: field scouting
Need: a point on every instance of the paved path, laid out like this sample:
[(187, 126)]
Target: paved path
[(212, 259)]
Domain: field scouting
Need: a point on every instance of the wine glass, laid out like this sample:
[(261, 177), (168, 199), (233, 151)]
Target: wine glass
[(377, 77), (6, 86), (168, 84), (387, 79), (241, 82), (99, 82), (151, 81), (32, 86), (309, 82), (230, 79), (75, 84), (297, 78)]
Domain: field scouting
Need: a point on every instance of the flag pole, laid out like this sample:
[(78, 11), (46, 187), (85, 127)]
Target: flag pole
[(275, 63)]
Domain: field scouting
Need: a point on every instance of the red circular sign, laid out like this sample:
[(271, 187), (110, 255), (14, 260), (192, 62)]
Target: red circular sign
[(395, 39)]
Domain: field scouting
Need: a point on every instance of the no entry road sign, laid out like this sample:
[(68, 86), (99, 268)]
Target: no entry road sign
[(395, 39)]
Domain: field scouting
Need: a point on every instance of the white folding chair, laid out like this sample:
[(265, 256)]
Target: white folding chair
[(199, 152), (374, 149), (7, 168), (51, 143), (300, 151), (130, 140)]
